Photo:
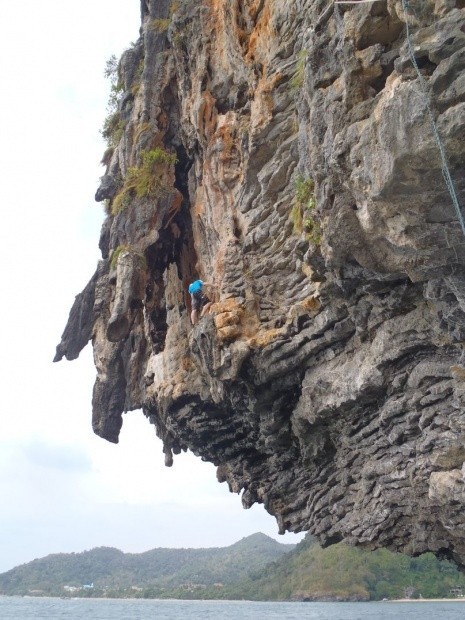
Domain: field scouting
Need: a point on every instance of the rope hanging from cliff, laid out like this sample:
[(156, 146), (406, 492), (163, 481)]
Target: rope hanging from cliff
[(445, 168)]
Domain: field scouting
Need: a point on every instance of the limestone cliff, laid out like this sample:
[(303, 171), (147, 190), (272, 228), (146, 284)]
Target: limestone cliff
[(284, 151)]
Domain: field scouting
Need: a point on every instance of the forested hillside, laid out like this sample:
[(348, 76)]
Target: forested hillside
[(341, 572), (255, 568), (159, 570)]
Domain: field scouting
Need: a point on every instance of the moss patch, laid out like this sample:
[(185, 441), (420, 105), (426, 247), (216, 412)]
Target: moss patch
[(297, 79), (146, 180), (126, 248), (159, 25), (302, 213)]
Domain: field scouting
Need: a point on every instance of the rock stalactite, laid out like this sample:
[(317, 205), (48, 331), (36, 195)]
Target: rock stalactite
[(284, 151)]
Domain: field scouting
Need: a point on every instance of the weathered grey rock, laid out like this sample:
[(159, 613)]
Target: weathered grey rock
[(107, 188), (328, 381), (129, 295)]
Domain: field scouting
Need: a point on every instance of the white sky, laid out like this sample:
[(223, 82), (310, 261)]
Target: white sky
[(62, 488)]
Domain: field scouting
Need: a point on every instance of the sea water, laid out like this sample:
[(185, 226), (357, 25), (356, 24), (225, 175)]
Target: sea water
[(17, 608)]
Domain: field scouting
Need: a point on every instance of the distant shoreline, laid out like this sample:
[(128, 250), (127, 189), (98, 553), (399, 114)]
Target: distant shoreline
[(425, 600), (164, 600)]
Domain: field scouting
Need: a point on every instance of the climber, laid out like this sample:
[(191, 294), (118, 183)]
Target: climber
[(199, 300)]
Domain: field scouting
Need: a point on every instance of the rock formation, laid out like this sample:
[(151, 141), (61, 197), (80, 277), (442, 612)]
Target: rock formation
[(284, 151)]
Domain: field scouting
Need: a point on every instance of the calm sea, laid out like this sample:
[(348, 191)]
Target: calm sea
[(13, 608)]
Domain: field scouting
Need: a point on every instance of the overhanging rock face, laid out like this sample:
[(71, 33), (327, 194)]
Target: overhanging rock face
[(328, 381)]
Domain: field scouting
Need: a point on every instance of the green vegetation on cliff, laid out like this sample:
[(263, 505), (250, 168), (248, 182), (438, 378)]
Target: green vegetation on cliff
[(303, 211), (255, 568), (147, 180)]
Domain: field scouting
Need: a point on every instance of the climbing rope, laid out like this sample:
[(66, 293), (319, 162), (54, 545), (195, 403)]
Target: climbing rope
[(445, 168)]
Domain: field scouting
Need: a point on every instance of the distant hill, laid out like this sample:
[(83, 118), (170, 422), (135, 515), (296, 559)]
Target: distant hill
[(162, 570), (346, 573), (255, 568)]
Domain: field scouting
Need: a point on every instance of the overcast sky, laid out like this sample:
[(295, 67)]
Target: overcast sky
[(62, 488)]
